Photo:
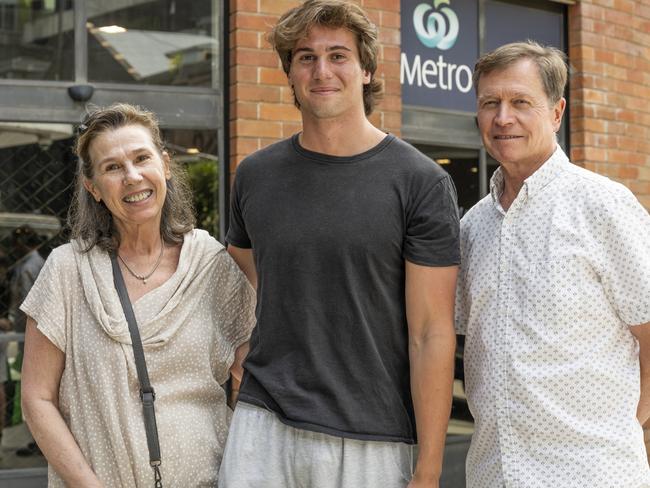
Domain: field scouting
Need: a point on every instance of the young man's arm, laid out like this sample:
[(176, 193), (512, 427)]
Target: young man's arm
[(642, 334), (246, 262), (430, 293)]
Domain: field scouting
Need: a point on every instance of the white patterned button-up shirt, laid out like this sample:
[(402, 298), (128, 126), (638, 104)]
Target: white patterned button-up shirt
[(547, 293)]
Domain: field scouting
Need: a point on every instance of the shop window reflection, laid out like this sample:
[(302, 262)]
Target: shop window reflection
[(37, 40), (163, 42), (36, 171)]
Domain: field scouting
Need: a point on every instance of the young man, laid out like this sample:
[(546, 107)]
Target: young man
[(554, 296), (351, 237)]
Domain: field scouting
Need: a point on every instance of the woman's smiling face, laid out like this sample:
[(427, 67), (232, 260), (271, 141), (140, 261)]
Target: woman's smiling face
[(129, 175)]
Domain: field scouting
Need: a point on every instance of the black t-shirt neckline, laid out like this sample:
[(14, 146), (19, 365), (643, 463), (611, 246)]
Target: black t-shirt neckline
[(329, 159)]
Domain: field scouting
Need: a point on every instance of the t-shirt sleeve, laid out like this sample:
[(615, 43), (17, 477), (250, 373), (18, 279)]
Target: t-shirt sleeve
[(432, 229), (45, 302), (626, 260), (237, 234), (236, 305)]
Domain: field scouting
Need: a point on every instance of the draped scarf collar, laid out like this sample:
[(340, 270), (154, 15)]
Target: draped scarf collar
[(198, 251)]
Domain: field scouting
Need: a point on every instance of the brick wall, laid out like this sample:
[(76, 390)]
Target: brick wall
[(261, 101), (610, 90)]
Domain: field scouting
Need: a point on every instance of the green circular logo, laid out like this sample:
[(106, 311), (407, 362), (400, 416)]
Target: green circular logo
[(436, 27)]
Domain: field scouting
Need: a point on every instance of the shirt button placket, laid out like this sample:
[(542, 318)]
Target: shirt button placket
[(505, 281)]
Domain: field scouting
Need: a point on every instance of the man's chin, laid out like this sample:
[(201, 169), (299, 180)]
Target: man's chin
[(502, 156), (324, 113)]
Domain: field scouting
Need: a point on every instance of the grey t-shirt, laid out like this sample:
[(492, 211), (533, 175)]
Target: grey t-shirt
[(330, 236)]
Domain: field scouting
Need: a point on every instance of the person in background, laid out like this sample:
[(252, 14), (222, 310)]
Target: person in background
[(194, 308), (25, 270), (351, 236), (22, 276), (553, 296), (5, 326)]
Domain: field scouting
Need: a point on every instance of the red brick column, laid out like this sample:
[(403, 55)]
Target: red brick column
[(261, 101), (609, 48)]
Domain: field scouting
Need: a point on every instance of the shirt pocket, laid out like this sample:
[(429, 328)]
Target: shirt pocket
[(559, 295)]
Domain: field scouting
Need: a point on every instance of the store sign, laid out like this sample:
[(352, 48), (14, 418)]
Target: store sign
[(439, 49)]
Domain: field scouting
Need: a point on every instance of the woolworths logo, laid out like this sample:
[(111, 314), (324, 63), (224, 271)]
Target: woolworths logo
[(436, 29)]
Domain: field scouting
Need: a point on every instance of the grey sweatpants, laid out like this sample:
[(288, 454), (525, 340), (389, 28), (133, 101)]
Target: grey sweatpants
[(262, 452)]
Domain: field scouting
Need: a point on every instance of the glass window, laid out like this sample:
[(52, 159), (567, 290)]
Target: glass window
[(510, 22), (463, 166), (36, 171), (36, 40), (161, 42)]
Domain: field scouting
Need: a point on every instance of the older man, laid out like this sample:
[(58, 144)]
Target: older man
[(554, 297)]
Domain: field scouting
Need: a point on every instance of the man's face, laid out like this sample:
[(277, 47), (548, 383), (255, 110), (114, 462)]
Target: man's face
[(515, 117), (326, 73)]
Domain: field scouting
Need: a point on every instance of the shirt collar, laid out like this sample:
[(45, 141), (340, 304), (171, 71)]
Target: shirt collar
[(535, 182)]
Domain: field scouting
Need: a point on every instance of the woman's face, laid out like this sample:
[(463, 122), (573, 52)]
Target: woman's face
[(129, 175)]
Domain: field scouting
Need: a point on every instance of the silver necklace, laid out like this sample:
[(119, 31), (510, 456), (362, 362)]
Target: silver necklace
[(144, 278)]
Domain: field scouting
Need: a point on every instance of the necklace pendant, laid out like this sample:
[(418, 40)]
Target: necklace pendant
[(145, 277)]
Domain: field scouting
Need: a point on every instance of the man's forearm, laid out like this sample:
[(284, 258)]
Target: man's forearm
[(432, 376)]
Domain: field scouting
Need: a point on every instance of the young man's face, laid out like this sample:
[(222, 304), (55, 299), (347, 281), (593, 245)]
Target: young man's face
[(515, 117), (326, 74)]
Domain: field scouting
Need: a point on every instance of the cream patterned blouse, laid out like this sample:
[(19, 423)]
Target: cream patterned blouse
[(190, 327)]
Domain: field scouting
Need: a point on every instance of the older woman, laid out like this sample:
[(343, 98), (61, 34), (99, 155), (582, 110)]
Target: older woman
[(192, 305)]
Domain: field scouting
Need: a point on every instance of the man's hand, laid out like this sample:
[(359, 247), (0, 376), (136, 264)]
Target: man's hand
[(420, 483)]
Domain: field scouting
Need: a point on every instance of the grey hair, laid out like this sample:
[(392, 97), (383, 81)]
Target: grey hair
[(551, 63)]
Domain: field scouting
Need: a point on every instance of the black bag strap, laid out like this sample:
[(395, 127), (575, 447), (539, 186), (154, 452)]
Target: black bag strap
[(147, 393)]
